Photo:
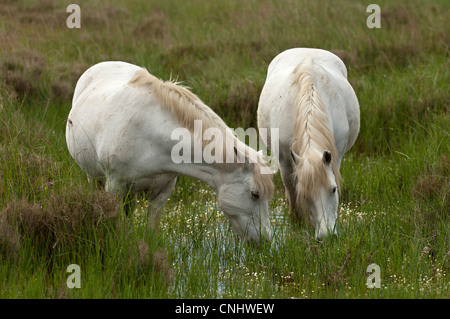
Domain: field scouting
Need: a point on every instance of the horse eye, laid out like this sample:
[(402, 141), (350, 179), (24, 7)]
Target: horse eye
[(255, 195), (334, 190)]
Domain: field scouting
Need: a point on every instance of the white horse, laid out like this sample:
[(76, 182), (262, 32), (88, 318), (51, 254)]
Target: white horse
[(120, 131), (308, 98)]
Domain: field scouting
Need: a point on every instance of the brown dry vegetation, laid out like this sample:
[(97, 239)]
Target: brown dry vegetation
[(161, 264), (148, 260), (9, 240), (434, 184), (66, 221), (154, 28), (22, 71)]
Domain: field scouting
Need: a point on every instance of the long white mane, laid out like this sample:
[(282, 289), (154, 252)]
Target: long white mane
[(312, 135)]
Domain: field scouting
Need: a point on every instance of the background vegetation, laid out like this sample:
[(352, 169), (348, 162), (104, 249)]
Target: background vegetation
[(394, 208)]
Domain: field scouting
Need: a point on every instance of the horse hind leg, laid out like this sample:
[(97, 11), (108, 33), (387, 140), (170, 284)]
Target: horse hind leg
[(295, 213)]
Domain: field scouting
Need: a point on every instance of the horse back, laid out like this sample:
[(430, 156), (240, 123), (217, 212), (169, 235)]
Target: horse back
[(276, 106)]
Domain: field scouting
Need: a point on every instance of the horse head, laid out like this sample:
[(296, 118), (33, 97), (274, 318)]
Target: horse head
[(317, 191)]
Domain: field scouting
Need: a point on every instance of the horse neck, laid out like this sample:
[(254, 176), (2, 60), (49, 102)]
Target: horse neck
[(211, 174)]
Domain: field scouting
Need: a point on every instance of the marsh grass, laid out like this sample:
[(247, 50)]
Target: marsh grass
[(394, 204)]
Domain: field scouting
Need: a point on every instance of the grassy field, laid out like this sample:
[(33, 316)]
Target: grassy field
[(394, 208)]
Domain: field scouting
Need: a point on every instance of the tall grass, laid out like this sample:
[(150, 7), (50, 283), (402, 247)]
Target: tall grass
[(394, 204)]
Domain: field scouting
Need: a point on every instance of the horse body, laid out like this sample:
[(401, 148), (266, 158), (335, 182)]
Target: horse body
[(308, 98), (120, 130), (110, 131)]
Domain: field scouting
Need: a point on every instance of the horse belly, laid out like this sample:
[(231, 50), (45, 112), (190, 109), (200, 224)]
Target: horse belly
[(138, 149)]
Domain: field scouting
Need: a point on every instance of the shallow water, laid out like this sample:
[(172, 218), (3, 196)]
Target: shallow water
[(199, 237), (198, 232)]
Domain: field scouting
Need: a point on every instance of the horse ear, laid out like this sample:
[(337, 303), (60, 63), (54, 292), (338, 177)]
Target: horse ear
[(237, 153), (326, 157), (240, 156), (295, 157)]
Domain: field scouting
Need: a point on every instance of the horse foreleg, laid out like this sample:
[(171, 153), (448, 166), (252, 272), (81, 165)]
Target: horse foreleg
[(157, 200), (286, 171)]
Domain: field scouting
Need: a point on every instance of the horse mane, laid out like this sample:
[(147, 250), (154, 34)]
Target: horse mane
[(312, 135), (187, 107), (180, 101)]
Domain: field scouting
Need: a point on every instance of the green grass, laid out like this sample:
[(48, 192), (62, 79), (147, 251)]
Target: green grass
[(394, 208)]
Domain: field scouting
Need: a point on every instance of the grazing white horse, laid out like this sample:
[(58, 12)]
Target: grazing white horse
[(120, 131), (307, 96)]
